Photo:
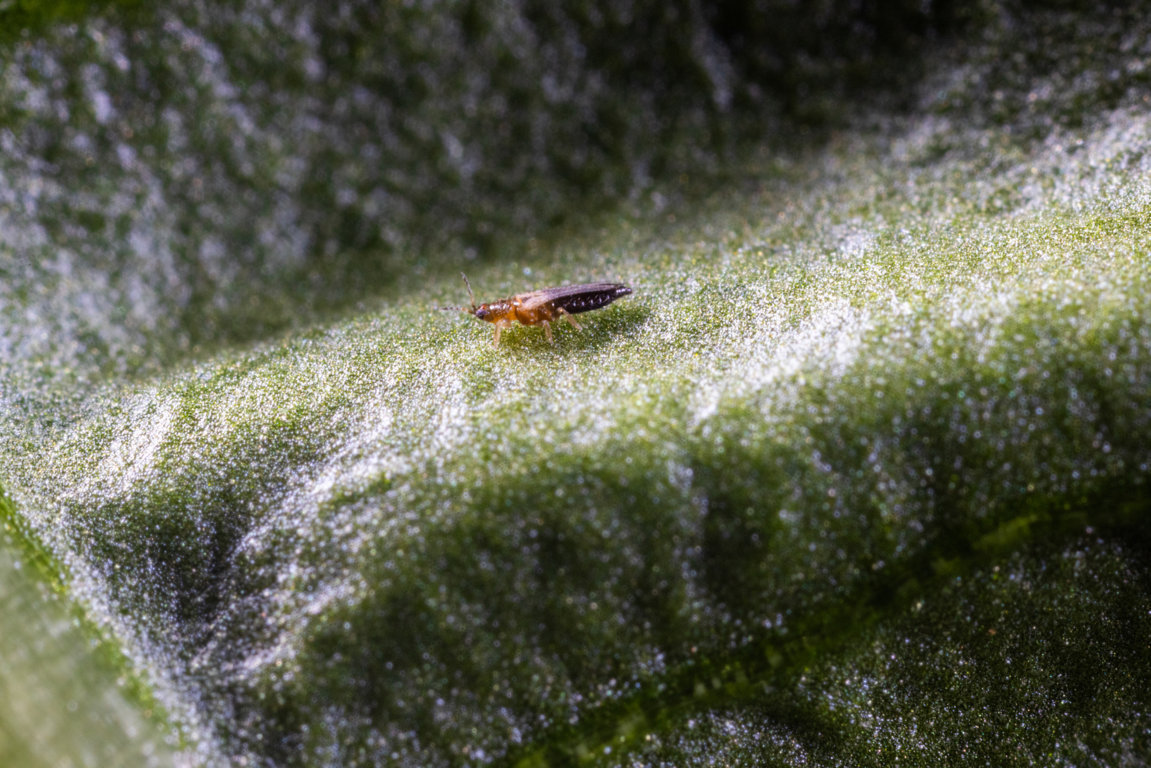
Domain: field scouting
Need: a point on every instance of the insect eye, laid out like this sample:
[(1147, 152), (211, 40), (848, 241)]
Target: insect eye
[(482, 313)]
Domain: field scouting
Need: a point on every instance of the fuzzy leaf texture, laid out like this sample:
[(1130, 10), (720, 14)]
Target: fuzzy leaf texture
[(856, 476)]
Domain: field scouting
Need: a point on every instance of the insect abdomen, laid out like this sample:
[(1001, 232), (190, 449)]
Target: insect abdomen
[(594, 298)]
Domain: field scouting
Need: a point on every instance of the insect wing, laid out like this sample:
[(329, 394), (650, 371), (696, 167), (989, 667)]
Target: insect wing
[(594, 296), (535, 299), (571, 296)]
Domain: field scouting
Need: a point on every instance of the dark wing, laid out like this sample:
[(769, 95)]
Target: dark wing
[(574, 299)]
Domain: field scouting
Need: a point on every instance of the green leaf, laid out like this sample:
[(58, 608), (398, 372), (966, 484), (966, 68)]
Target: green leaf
[(857, 475)]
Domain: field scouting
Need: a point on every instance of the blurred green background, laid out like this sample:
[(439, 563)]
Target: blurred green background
[(208, 173)]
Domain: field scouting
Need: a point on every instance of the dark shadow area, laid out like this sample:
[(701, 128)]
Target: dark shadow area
[(518, 563), (174, 543), (527, 594), (179, 581)]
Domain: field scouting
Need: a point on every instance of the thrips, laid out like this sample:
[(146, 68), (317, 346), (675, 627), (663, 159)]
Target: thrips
[(543, 306)]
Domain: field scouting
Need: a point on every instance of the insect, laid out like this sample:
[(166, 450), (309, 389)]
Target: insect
[(543, 306)]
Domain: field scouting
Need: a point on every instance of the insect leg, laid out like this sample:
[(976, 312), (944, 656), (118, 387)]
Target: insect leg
[(496, 340), (567, 316), (548, 332)]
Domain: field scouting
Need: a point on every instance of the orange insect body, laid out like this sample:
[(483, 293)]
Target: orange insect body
[(544, 306)]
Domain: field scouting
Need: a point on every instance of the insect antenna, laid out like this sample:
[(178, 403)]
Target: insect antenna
[(471, 296)]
